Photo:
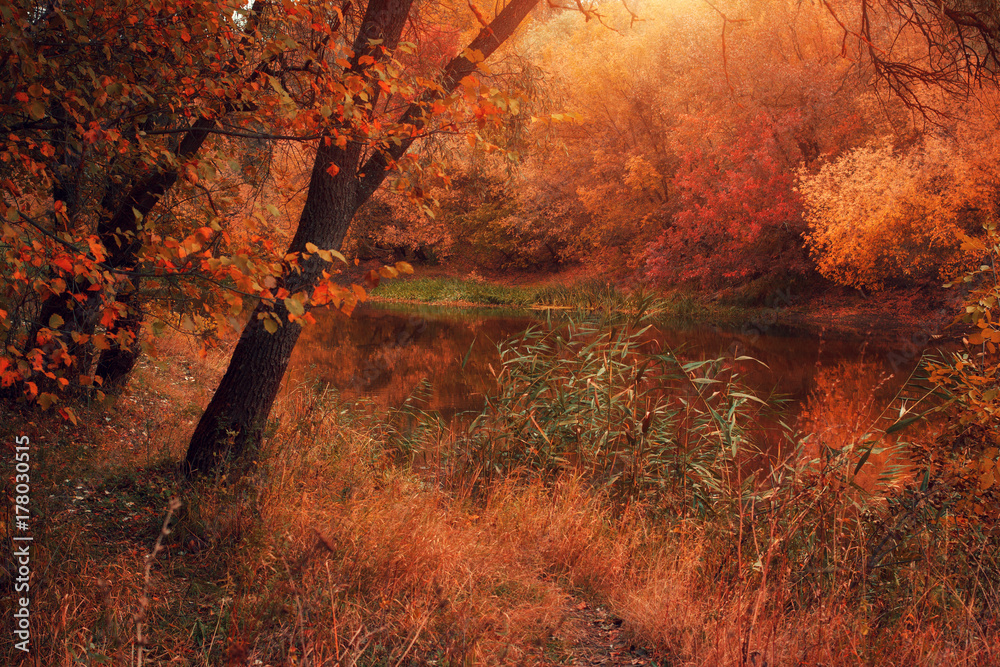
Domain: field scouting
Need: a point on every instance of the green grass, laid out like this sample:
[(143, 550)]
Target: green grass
[(591, 295), (454, 290)]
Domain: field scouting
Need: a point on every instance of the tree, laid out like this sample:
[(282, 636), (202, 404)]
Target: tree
[(884, 214), (921, 47), (689, 127), (106, 108), (344, 176), (739, 216)]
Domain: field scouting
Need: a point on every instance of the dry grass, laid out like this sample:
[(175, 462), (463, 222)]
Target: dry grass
[(334, 552)]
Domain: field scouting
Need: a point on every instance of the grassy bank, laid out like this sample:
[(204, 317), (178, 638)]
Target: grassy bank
[(586, 295), (368, 537)]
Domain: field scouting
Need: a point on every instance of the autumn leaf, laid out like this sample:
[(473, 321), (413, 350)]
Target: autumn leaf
[(295, 306)]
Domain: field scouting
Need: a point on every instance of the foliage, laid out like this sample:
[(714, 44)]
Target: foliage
[(137, 144), (880, 216), (88, 92), (739, 217)]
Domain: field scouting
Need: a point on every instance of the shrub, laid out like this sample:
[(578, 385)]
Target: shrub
[(879, 216)]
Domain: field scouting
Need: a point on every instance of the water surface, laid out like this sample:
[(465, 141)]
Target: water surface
[(385, 351)]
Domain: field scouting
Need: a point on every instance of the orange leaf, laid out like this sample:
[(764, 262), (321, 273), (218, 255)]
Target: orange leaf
[(67, 413)]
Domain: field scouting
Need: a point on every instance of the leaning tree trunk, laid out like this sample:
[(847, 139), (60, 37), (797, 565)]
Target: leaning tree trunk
[(233, 423)]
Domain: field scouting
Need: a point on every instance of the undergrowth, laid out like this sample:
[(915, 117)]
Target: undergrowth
[(603, 467)]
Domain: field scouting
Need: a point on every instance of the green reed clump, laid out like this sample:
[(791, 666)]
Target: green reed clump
[(616, 403)]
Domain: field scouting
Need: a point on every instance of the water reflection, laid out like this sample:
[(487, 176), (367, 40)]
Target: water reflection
[(385, 352)]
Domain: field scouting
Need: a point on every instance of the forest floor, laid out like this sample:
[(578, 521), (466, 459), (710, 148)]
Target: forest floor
[(594, 636), (100, 491)]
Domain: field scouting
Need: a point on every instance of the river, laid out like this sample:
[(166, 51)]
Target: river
[(386, 351)]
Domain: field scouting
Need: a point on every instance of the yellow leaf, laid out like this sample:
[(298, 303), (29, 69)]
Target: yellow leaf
[(270, 325), (55, 322), (295, 306), (474, 55)]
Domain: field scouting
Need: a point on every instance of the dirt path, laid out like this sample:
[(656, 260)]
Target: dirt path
[(594, 636)]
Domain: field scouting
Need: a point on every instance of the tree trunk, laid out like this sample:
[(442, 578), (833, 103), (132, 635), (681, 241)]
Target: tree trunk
[(233, 423), (115, 364), (234, 420)]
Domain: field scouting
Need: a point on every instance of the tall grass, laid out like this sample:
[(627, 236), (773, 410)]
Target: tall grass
[(848, 536), (605, 468)]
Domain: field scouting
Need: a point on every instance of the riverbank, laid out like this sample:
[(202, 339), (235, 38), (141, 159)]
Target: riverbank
[(924, 312)]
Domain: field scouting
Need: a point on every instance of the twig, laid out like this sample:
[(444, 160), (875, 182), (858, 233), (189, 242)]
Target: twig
[(175, 505)]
